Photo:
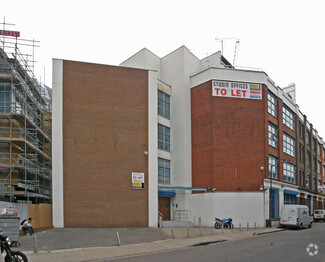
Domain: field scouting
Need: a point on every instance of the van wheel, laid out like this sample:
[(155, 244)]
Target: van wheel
[(300, 226)]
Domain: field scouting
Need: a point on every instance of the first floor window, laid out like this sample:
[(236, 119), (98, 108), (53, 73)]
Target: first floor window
[(289, 145), (273, 167), (289, 173), (163, 171)]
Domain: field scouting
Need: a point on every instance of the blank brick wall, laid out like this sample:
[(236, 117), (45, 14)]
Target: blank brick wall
[(105, 134), (228, 141)]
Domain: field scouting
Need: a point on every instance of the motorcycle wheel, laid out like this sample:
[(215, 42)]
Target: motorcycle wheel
[(217, 225), (17, 257)]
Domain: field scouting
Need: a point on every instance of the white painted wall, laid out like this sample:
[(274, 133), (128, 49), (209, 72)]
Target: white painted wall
[(57, 143), (242, 207), (176, 68), (153, 150)]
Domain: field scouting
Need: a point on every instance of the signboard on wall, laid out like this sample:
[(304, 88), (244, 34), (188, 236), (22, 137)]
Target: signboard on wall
[(10, 33), (236, 90), (137, 180)]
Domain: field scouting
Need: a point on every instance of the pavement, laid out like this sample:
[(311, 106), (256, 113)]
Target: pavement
[(101, 244)]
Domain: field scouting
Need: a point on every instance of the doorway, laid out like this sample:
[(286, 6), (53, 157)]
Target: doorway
[(164, 207)]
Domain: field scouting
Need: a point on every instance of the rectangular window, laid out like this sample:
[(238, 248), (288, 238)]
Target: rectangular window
[(163, 137), (289, 145), (163, 104), (273, 167), (288, 117), (307, 181), (163, 171), (318, 149), (308, 159), (273, 135), (271, 103), (308, 137), (318, 167), (289, 199), (289, 172), (274, 203), (5, 97), (301, 153)]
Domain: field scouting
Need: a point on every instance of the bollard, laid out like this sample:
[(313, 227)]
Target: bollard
[(239, 226), (247, 226), (199, 221), (255, 225), (222, 228), (188, 232), (35, 243), (118, 239), (173, 235)]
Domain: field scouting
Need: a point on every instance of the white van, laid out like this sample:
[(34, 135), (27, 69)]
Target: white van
[(295, 216)]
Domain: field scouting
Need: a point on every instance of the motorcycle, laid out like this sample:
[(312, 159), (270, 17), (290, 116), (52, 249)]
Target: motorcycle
[(11, 256), (225, 223)]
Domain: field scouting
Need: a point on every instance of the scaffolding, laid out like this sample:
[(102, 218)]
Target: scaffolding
[(25, 128)]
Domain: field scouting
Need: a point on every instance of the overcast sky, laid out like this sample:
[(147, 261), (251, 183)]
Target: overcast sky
[(286, 39)]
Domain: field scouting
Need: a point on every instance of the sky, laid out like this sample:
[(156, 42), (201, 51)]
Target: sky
[(286, 39)]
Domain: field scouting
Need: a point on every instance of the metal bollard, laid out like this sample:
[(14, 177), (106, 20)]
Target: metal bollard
[(247, 226), (255, 225), (239, 226), (188, 232), (199, 221), (118, 239), (173, 235), (222, 228), (35, 243)]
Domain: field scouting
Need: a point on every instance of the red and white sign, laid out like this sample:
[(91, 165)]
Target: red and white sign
[(236, 90), (10, 33)]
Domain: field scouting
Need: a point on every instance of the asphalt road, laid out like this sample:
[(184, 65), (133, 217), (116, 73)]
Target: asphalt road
[(288, 245)]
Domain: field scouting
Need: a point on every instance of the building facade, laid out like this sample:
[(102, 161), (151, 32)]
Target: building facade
[(208, 140), (25, 133)]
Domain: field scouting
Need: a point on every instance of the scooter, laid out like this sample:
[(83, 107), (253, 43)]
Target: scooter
[(225, 223), (11, 256)]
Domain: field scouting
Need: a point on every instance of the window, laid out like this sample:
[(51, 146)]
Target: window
[(163, 137), (289, 199), (301, 153), (273, 167), (289, 173), (289, 145), (301, 131), (308, 159), (163, 171), (313, 183), (274, 203), (318, 167), (271, 103), (288, 117), (5, 97), (308, 137), (273, 135), (318, 149), (307, 181), (163, 104)]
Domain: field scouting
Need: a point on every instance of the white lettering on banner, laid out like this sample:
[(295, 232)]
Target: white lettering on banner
[(236, 90)]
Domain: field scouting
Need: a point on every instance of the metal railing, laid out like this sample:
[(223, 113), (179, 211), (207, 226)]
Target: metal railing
[(184, 215)]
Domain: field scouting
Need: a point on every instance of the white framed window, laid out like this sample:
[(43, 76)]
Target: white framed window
[(273, 167), (289, 145), (289, 172), (288, 117), (271, 103), (273, 135)]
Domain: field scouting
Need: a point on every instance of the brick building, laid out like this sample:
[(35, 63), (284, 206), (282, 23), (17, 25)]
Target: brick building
[(208, 140)]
